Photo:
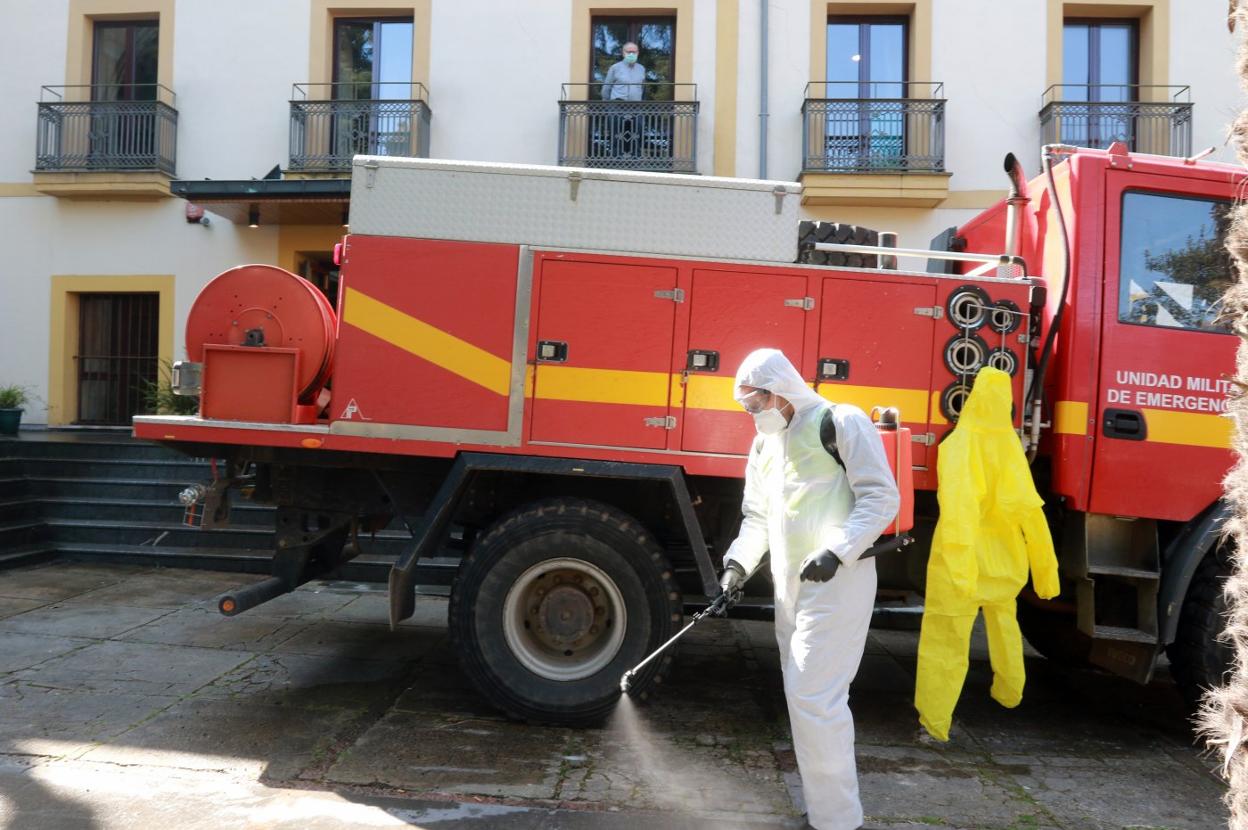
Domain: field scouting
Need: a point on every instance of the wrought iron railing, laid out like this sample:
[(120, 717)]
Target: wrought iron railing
[(100, 128), (1149, 119), (658, 133), (331, 123), (851, 127)]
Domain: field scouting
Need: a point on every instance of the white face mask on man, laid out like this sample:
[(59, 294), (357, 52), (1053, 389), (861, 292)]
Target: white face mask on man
[(770, 421)]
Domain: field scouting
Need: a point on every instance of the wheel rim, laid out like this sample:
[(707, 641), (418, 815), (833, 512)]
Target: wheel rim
[(564, 619)]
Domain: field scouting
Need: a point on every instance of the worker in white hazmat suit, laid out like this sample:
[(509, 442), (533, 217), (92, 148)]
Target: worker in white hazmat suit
[(808, 510)]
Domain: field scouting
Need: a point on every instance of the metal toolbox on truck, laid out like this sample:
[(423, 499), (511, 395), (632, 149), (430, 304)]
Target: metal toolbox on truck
[(571, 207)]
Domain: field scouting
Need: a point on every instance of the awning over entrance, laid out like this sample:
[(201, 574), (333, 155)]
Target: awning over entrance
[(271, 201)]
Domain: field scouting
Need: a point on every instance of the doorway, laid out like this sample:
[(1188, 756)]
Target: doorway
[(118, 355)]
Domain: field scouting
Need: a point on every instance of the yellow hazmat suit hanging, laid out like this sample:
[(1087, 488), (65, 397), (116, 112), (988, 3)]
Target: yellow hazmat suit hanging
[(991, 529)]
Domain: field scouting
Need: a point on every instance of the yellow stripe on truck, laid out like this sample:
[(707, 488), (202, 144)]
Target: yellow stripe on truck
[(1070, 418), (427, 342), (570, 383), (710, 392), (1192, 429), (912, 403)]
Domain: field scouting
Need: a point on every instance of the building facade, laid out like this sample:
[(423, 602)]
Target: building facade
[(128, 118)]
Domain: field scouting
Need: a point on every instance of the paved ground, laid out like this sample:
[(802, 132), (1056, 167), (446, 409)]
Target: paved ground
[(126, 702)]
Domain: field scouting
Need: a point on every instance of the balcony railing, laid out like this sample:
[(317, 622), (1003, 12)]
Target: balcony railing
[(331, 123), (1150, 119), (851, 127), (659, 132), (105, 128)]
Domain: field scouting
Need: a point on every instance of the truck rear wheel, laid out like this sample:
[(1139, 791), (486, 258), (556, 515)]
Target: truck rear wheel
[(1199, 659), (554, 603)]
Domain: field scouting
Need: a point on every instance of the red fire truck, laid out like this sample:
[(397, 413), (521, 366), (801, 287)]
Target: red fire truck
[(531, 369)]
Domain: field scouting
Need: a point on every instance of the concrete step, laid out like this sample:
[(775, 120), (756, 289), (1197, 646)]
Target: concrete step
[(26, 555), (167, 512), (166, 534), (110, 488), (60, 446), (148, 468), (14, 535)]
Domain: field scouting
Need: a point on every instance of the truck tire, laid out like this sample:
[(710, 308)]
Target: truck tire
[(554, 603), (841, 232), (1199, 659)]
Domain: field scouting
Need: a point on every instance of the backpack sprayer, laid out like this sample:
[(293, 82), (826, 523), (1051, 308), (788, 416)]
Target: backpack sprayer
[(897, 449)]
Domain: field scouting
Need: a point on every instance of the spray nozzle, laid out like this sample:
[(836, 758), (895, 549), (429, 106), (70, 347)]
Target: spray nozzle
[(625, 682)]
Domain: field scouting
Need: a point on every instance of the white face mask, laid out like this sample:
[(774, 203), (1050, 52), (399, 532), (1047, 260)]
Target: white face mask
[(770, 421)]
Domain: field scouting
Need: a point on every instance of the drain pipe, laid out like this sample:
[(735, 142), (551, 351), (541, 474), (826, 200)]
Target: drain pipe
[(762, 89), (1014, 205)]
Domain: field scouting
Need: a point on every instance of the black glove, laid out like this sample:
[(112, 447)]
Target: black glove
[(820, 567)]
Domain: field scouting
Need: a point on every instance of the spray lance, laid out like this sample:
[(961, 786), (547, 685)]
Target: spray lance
[(720, 605)]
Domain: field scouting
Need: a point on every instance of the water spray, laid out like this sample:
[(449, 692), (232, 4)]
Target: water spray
[(719, 607)]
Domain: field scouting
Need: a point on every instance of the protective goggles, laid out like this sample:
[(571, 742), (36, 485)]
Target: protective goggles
[(754, 402)]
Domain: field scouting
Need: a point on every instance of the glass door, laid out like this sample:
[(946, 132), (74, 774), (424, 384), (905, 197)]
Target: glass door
[(866, 64), (634, 127), (373, 65), (123, 71), (1099, 68)]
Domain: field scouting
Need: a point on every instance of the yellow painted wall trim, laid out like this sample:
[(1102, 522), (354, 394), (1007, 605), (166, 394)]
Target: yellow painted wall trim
[(900, 189), (111, 185), (727, 33), (920, 45), (972, 199), (320, 57), (63, 331), (584, 10), (296, 241), (1154, 33), (84, 13), (14, 189)]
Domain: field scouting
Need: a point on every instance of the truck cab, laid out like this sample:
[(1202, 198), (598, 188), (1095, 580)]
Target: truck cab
[(1136, 440)]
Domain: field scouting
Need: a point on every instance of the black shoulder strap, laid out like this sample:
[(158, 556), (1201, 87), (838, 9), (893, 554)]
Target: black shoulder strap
[(827, 435)]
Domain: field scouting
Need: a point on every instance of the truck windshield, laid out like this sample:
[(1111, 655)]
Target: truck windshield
[(1174, 266)]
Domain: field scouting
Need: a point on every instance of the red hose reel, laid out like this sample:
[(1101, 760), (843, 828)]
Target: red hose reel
[(265, 338)]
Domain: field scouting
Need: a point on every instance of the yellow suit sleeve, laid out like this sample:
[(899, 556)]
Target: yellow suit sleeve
[(1040, 554)]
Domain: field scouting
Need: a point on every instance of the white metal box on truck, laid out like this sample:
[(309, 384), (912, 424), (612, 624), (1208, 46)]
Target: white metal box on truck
[(572, 207)]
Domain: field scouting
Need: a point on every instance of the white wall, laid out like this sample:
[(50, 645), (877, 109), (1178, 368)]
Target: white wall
[(495, 71), (34, 56), (234, 64), (1203, 55)]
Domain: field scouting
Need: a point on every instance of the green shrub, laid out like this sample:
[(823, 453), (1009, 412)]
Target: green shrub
[(158, 397), (13, 397)]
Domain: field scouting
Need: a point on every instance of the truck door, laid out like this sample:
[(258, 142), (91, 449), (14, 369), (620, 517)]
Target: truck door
[(731, 314), (604, 354), (1165, 358), (875, 349)]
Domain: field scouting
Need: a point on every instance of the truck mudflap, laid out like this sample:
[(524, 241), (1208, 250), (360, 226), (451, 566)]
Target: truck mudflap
[(459, 482)]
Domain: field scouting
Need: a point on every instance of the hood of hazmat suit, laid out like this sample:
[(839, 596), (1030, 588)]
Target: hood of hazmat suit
[(991, 532), (799, 501)]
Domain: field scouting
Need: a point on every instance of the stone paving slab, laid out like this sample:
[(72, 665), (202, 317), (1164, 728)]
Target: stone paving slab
[(206, 628), (24, 651), (56, 722), (113, 667), (164, 588), (335, 638), (77, 620), (57, 581), (311, 682), (12, 606), (257, 740)]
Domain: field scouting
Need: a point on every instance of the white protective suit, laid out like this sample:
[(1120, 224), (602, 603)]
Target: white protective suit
[(799, 501)]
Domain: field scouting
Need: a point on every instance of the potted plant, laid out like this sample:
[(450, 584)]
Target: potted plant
[(12, 398)]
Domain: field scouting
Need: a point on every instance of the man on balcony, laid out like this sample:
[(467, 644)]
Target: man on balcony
[(624, 83)]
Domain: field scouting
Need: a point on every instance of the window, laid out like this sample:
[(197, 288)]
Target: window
[(866, 64), (656, 51), (1174, 267)]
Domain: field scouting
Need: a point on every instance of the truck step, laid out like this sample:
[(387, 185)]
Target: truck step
[(1123, 572), (1121, 634)]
